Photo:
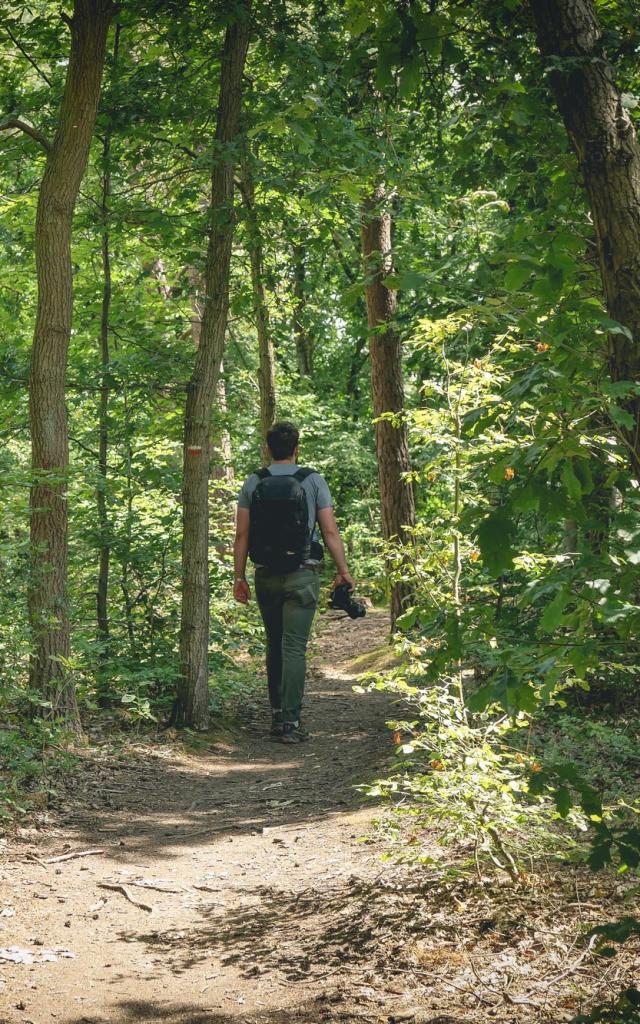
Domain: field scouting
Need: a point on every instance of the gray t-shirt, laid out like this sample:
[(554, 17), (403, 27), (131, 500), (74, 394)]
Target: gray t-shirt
[(314, 485)]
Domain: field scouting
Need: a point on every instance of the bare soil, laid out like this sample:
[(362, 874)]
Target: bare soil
[(241, 881)]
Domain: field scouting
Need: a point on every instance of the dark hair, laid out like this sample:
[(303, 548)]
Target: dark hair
[(282, 439)]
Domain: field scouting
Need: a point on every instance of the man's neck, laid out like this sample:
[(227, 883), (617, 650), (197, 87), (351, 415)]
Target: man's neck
[(283, 462)]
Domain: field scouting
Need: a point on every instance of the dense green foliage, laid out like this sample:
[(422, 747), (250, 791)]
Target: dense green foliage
[(520, 654)]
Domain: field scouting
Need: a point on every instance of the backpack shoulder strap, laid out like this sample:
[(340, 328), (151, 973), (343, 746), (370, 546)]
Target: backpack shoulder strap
[(263, 473), (303, 473)]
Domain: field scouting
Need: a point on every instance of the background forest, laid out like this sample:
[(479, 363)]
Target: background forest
[(429, 232)]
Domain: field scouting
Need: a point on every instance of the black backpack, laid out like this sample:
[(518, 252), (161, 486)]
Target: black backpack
[(279, 536)]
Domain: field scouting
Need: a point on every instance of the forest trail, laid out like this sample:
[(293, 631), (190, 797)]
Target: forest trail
[(266, 905), (253, 848)]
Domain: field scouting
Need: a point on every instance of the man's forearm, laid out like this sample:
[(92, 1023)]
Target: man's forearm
[(240, 552)]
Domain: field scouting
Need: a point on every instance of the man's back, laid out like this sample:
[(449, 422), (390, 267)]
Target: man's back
[(314, 486)]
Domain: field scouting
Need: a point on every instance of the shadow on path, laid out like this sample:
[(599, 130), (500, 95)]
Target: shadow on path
[(305, 935), (159, 801)]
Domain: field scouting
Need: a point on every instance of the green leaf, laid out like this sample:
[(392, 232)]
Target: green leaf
[(351, 294), (408, 619), (527, 498), (358, 22), (495, 535), (618, 931), (552, 615), (388, 58), (431, 32), (571, 481), (404, 280), (482, 697), (599, 857), (564, 801), (621, 417), (452, 54), (590, 800), (549, 285), (582, 658), (516, 276), (613, 326), (583, 472), (569, 242), (410, 77)]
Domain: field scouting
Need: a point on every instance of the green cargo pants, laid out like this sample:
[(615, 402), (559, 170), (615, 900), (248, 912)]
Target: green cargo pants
[(287, 604)]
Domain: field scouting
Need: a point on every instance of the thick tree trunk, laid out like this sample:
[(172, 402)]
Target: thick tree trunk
[(304, 347), (385, 350), (605, 141), (65, 166), (266, 364), (193, 687)]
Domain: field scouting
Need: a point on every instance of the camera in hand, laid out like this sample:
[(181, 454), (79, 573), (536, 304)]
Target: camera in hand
[(342, 601)]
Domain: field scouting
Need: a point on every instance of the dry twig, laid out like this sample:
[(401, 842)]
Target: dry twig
[(71, 856), (117, 887)]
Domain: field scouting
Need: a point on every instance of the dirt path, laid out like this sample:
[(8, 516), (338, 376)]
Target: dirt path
[(262, 903), (252, 848)]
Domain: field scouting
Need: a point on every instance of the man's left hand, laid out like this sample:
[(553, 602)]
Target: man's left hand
[(241, 591), (344, 577)]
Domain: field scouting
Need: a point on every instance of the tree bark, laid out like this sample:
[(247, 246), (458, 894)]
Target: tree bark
[(606, 145), (102, 604), (359, 352), (193, 686), (64, 169), (266, 362), (221, 468), (385, 350), (304, 347)]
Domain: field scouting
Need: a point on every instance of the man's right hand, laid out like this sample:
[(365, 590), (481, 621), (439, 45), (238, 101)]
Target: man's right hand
[(343, 577)]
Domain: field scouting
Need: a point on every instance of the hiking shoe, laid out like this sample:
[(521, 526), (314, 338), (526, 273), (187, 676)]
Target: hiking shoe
[(293, 732), (276, 724)]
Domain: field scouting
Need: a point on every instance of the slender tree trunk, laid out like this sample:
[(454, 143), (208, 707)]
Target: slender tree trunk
[(358, 359), (304, 347), (65, 166), (103, 418), (103, 410), (221, 468), (193, 687), (385, 350), (266, 367), (606, 145), (570, 536), (359, 352), (125, 583)]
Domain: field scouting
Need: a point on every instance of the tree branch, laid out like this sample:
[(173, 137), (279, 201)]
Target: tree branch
[(28, 129), (16, 42)]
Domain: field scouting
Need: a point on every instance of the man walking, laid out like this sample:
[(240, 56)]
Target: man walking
[(278, 509)]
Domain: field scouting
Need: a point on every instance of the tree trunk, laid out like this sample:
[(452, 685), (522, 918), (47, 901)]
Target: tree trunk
[(193, 687), (65, 166), (304, 348), (103, 409), (266, 368), (221, 468), (127, 544), (385, 350), (604, 139), (359, 352)]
